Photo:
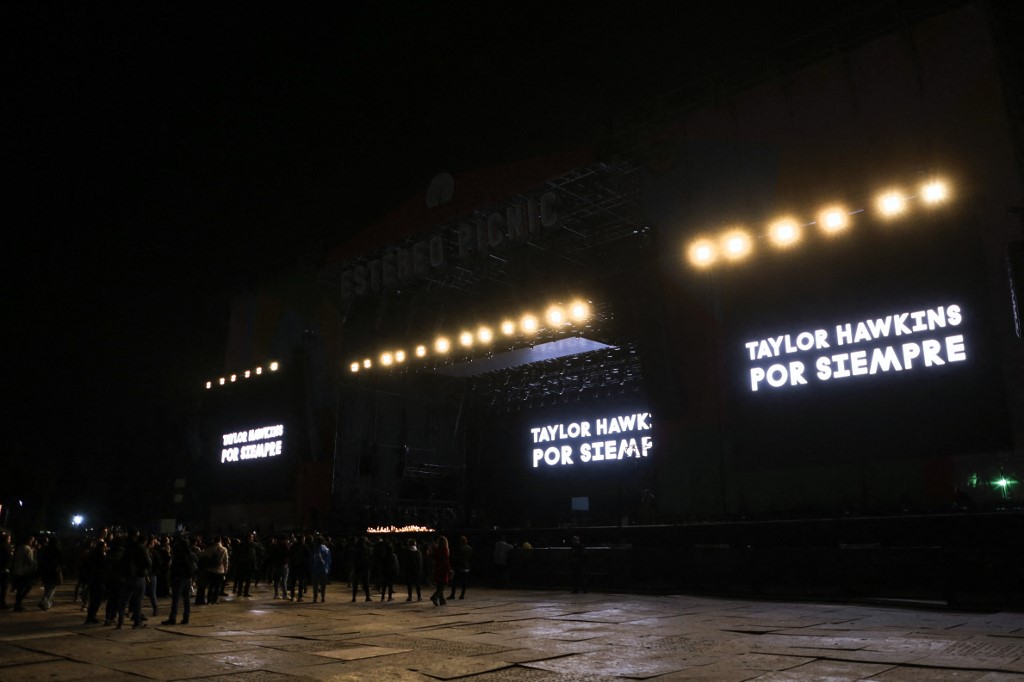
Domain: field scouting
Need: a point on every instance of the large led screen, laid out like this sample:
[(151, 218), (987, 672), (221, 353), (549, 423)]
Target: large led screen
[(250, 440), (876, 345)]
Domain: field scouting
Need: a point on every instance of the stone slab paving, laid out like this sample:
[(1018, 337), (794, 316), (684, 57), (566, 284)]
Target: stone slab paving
[(497, 635)]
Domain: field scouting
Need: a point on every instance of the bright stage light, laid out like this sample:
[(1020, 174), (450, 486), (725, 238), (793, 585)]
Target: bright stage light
[(247, 374), (702, 253), (209, 384), (274, 366), (508, 327), (421, 351), (221, 381), (579, 311), (354, 367), (891, 203), (833, 220), (259, 370), (367, 363), (386, 359), (466, 339), (934, 192), (736, 244), (234, 378), (555, 316), (77, 520), (442, 345), (399, 356), (784, 232), (484, 335), (528, 324)]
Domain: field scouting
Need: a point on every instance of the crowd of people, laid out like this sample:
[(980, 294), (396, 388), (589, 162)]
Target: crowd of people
[(127, 573)]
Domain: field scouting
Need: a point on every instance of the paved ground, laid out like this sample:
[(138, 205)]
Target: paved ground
[(520, 635)]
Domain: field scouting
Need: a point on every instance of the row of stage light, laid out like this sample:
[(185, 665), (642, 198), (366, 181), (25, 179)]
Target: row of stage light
[(222, 381), (556, 316), (736, 244)]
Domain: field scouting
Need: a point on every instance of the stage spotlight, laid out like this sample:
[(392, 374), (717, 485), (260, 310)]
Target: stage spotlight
[(555, 316), (484, 335), (386, 359), (247, 374), (528, 324), (508, 327), (466, 339), (736, 244), (442, 345), (354, 367), (891, 203), (833, 220), (934, 192), (399, 356), (274, 366), (259, 371), (234, 378), (221, 381), (702, 253), (209, 384), (784, 233), (421, 351), (579, 311), (367, 363)]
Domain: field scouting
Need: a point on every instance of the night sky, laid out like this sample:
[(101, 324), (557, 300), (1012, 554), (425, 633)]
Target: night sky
[(162, 157)]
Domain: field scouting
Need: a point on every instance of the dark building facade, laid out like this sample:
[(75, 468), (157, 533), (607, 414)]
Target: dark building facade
[(785, 317)]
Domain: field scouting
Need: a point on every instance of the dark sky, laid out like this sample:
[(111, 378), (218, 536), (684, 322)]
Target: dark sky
[(163, 156)]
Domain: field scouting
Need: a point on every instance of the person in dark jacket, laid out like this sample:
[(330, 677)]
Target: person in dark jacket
[(244, 559), (112, 579), (462, 556), (361, 568), (442, 569), (94, 575), (412, 569), (157, 567), (389, 572), (50, 561), (298, 568), (135, 567), (184, 567), (6, 558)]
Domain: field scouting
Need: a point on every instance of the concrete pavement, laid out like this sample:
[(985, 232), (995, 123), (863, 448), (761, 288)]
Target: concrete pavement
[(518, 635)]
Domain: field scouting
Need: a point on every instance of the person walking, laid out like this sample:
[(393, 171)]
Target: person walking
[(462, 556), (502, 549), (412, 569), (442, 570), (389, 572), (6, 558), (50, 562), (361, 568), (216, 570), (184, 567), (320, 568), (135, 567), (23, 570), (93, 573)]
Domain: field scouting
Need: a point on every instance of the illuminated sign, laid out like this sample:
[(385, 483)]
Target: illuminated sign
[(895, 343), (590, 442), (258, 443)]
